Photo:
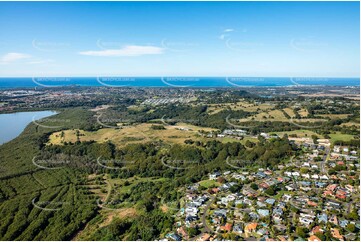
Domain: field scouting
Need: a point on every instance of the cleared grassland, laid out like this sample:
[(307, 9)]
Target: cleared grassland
[(273, 115), (277, 115), (349, 124), (131, 134), (289, 111), (339, 136), (242, 105), (300, 133), (209, 183), (334, 116), (303, 112), (243, 141)]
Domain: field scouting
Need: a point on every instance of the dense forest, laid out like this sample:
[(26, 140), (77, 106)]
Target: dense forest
[(45, 187), (24, 187)]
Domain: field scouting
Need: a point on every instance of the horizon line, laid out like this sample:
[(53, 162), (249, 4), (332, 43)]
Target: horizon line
[(181, 76)]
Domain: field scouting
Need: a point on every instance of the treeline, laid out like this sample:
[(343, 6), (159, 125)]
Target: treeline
[(226, 96), (187, 163), (196, 115), (23, 184), (352, 143)]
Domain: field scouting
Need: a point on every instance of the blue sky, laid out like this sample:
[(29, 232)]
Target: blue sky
[(263, 39)]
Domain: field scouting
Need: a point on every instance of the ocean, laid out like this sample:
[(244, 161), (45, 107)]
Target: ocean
[(9, 83)]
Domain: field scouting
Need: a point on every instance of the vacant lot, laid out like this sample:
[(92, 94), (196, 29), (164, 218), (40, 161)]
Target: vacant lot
[(348, 124), (303, 112), (289, 111), (242, 105), (131, 134), (339, 136), (300, 133), (209, 183), (334, 116)]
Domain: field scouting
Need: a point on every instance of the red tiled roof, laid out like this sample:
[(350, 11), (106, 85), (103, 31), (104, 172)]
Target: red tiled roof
[(317, 229), (314, 238), (250, 227), (336, 234), (313, 204), (227, 227)]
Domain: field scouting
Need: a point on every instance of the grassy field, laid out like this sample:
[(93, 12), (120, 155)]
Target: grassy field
[(348, 124), (289, 111), (272, 115), (131, 134), (242, 105), (303, 112), (209, 183), (300, 133), (334, 116), (339, 136), (277, 115), (243, 141)]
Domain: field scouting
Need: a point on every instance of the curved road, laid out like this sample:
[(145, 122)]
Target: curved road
[(203, 219)]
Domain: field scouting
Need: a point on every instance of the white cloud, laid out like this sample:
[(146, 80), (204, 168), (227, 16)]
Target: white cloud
[(228, 30), (129, 50), (12, 57)]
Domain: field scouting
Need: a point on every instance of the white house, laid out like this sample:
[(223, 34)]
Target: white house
[(314, 176), (306, 176)]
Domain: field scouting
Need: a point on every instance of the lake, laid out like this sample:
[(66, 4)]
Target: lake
[(12, 124)]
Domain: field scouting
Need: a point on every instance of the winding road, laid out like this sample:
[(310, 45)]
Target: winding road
[(203, 219)]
